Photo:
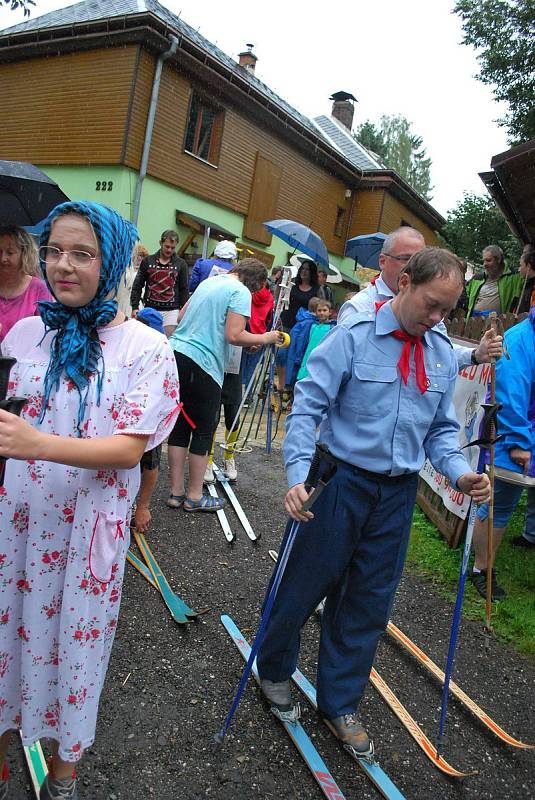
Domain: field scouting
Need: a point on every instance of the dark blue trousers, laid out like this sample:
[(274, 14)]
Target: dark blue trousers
[(352, 553)]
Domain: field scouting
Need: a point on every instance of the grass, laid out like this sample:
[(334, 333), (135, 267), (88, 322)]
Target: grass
[(513, 619)]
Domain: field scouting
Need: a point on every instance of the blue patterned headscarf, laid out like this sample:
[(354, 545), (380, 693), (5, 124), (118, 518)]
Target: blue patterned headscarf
[(75, 349)]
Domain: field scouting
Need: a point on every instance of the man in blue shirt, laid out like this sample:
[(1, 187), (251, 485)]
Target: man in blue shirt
[(379, 388), (397, 249)]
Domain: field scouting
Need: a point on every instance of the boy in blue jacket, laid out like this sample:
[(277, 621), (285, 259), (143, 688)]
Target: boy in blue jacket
[(299, 340)]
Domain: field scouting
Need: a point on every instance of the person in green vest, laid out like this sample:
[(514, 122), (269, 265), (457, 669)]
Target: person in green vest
[(498, 289)]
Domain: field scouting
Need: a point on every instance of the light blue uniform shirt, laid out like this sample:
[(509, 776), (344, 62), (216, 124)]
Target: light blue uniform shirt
[(374, 293), (200, 334), (366, 415)]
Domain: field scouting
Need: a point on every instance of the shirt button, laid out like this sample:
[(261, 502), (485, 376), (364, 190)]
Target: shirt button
[(439, 365), (435, 385)]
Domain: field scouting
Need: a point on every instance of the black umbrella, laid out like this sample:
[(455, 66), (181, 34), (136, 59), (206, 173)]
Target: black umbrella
[(27, 195)]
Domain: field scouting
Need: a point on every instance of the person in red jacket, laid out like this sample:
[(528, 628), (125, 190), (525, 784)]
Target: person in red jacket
[(259, 322)]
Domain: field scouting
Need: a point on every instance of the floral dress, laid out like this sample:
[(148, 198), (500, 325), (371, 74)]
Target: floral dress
[(64, 533)]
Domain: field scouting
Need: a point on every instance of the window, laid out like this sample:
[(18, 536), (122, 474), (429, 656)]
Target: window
[(340, 219), (204, 130)]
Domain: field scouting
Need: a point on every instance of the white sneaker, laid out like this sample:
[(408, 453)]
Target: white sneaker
[(209, 476), (229, 468)]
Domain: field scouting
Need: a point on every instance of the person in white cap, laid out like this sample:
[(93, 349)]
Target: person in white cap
[(223, 259)]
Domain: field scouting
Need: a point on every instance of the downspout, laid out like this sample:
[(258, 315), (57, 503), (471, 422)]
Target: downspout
[(150, 125)]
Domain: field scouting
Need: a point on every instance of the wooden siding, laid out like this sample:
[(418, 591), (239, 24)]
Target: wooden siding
[(263, 201), (307, 193), (366, 212), (394, 213), (70, 109), (143, 79)]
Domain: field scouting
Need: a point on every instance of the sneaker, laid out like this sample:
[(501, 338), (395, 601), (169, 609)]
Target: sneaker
[(55, 789), (352, 734), (479, 582), (279, 697), (229, 469), (521, 541), (209, 476)]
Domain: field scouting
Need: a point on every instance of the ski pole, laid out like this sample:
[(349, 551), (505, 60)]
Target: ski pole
[(314, 484), (488, 437), (490, 520)]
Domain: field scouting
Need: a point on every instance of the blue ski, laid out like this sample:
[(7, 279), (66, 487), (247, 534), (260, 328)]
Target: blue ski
[(375, 773), (176, 606), (295, 731)]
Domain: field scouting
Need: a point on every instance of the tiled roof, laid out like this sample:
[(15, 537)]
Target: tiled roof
[(92, 10), (341, 138)]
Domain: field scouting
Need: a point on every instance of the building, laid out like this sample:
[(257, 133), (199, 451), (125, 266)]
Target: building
[(126, 104)]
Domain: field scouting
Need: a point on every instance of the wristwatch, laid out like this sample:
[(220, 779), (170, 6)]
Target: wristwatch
[(473, 358)]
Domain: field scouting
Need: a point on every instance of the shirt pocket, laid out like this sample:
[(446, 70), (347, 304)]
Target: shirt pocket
[(376, 389), (106, 543), (426, 406)]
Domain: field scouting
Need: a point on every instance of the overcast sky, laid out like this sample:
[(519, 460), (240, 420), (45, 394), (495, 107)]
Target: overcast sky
[(395, 58)]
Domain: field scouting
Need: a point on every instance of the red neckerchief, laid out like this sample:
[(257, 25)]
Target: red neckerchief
[(374, 280), (404, 360)]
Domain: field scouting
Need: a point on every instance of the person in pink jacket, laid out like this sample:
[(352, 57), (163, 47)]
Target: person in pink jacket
[(20, 289)]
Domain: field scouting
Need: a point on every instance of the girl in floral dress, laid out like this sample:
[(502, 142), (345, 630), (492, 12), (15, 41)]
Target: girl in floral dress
[(100, 390)]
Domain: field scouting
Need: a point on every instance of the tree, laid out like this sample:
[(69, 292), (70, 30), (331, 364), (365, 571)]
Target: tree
[(16, 4), (400, 149), (475, 223), (503, 32), (371, 137)]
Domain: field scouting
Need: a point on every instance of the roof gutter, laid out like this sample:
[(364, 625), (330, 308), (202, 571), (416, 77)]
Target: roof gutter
[(150, 124)]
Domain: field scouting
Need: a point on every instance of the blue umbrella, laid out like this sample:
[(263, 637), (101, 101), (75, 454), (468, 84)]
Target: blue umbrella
[(301, 238), (366, 249)]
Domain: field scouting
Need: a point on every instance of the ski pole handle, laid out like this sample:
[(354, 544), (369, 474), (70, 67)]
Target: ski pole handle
[(322, 468)]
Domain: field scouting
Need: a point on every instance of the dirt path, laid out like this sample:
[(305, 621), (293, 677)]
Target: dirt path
[(169, 688)]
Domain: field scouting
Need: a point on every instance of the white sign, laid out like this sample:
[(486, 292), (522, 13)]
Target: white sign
[(470, 391)]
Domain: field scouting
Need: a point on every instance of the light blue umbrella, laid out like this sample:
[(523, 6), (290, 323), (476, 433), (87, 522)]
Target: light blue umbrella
[(301, 238), (366, 249)]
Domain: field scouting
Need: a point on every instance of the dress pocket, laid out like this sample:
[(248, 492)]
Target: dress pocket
[(105, 546)]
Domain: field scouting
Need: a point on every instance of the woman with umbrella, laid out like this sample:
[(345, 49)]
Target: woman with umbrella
[(20, 288), (100, 391)]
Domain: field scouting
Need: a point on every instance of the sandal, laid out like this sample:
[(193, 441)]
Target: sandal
[(175, 500), (206, 503)]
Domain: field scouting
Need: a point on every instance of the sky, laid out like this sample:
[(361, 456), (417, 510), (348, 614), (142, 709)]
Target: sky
[(395, 58)]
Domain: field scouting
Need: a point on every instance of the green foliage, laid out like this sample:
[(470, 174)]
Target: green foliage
[(475, 223), (16, 4), (513, 619), (371, 137), (400, 149), (503, 31)]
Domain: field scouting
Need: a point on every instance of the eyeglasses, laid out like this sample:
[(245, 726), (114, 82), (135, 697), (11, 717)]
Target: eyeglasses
[(76, 258), (403, 259)]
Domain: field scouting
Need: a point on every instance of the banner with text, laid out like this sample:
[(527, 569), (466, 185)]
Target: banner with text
[(470, 391)]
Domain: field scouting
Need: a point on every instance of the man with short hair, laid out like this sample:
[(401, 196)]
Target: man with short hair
[(380, 389), (497, 289), (162, 278), (397, 249)]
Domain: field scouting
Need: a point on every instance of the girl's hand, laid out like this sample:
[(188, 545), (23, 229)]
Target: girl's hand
[(18, 439)]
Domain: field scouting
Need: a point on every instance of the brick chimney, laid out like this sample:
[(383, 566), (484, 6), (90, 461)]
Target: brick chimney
[(248, 59), (343, 108)]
